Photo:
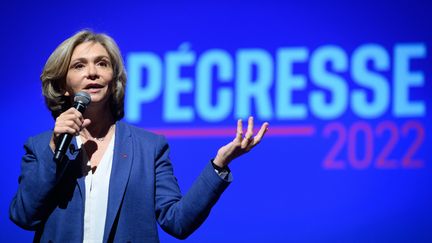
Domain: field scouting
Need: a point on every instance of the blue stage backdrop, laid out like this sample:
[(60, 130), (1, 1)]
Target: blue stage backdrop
[(346, 88)]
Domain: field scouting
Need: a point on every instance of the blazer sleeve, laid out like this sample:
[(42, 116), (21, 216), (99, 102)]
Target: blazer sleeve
[(38, 178), (177, 215)]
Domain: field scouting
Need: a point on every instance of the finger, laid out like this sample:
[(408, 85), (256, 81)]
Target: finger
[(78, 114), (261, 133), (70, 120), (249, 133), (77, 119), (75, 124), (73, 115), (86, 122), (68, 125), (73, 110), (60, 130), (239, 134)]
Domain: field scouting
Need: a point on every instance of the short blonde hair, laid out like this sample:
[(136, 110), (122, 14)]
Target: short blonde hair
[(54, 73)]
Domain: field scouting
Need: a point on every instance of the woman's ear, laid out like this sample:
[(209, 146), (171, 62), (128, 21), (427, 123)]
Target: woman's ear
[(64, 88), (66, 91)]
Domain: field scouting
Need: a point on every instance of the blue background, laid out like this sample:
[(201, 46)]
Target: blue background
[(281, 192)]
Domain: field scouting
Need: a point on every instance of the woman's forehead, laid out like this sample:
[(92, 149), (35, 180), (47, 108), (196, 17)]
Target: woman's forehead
[(88, 50)]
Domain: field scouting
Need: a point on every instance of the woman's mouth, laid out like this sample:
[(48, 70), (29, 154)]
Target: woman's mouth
[(93, 88)]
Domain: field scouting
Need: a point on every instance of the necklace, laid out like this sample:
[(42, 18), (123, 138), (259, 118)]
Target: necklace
[(87, 135)]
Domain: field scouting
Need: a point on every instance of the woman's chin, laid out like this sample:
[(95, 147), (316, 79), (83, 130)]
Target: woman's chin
[(98, 99)]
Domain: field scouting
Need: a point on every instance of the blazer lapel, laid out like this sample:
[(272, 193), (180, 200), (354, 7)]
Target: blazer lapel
[(120, 172), (72, 153)]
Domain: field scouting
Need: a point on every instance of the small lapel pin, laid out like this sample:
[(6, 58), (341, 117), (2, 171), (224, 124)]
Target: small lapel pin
[(72, 148)]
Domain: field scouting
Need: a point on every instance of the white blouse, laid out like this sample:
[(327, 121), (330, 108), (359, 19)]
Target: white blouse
[(96, 194)]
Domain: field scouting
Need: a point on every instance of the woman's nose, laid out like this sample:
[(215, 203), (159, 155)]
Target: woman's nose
[(92, 72)]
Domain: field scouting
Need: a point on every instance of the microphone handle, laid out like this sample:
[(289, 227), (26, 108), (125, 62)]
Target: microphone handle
[(66, 138), (61, 147)]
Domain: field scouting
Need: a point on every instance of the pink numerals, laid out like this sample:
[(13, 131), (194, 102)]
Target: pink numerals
[(330, 161), (408, 161), (361, 143), (383, 159), (357, 130)]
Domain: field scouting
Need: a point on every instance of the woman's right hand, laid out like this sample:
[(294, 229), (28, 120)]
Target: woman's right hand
[(70, 121)]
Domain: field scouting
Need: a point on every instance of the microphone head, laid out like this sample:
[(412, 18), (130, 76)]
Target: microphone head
[(83, 98)]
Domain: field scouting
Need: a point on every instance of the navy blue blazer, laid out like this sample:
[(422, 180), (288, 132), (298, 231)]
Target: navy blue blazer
[(142, 191)]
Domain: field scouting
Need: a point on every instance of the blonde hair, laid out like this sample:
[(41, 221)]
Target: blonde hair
[(54, 73)]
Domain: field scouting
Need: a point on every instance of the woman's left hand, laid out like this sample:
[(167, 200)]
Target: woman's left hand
[(240, 145)]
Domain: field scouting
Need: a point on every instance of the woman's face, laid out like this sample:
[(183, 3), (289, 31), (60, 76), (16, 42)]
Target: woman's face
[(90, 70)]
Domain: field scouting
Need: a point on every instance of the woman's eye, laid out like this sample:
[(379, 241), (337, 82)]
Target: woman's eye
[(103, 64), (78, 66)]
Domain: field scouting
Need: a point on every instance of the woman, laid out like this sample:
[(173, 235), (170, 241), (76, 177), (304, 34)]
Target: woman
[(116, 180)]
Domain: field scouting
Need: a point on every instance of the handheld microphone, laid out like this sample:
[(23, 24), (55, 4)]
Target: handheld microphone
[(81, 101)]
